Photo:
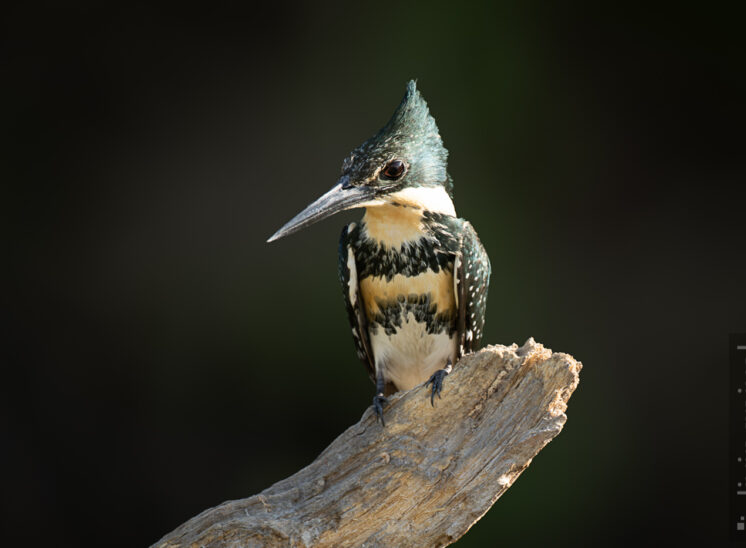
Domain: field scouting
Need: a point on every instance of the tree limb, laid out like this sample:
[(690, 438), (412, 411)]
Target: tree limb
[(425, 478)]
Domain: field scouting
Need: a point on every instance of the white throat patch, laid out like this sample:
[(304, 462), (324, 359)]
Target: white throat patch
[(434, 199)]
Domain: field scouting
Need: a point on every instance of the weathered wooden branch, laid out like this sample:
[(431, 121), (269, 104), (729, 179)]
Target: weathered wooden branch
[(425, 478)]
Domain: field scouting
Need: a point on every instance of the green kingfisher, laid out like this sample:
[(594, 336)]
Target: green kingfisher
[(414, 276)]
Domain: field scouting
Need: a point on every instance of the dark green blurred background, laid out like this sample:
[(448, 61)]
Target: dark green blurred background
[(147, 155)]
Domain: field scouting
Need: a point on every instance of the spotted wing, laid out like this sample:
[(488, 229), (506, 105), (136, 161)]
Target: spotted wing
[(347, 268), (472, 267)]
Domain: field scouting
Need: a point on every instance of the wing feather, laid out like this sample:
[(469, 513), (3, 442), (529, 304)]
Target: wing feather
[(347, 268), (472, 270)]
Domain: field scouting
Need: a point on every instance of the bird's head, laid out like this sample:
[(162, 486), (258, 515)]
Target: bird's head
[(404, 163)]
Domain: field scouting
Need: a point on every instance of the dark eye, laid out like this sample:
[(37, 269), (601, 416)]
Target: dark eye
[(393, 170)]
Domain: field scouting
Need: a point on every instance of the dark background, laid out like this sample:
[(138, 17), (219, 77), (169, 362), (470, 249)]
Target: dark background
[(160, 358)]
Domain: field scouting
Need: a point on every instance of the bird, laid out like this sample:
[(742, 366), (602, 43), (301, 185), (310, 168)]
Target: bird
[(414, 275)]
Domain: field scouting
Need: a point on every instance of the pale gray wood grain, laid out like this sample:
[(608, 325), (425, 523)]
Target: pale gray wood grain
[(425, 478)]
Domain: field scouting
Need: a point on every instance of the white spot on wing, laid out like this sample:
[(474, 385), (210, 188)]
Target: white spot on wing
[(456, 266), (352, 282)]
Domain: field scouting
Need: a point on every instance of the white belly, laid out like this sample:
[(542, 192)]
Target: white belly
[(411, 355)]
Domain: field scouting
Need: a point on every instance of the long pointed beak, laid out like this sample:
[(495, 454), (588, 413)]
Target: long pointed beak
[(342, 196)]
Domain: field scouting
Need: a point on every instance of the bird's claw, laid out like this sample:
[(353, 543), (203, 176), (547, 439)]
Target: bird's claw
[(378, 401), (437, 381)]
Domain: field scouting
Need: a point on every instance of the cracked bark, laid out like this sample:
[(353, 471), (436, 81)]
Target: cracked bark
[(425, 478)]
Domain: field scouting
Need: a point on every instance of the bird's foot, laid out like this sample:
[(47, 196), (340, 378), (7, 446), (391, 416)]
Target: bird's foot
[(378, 401), (437, 381)]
